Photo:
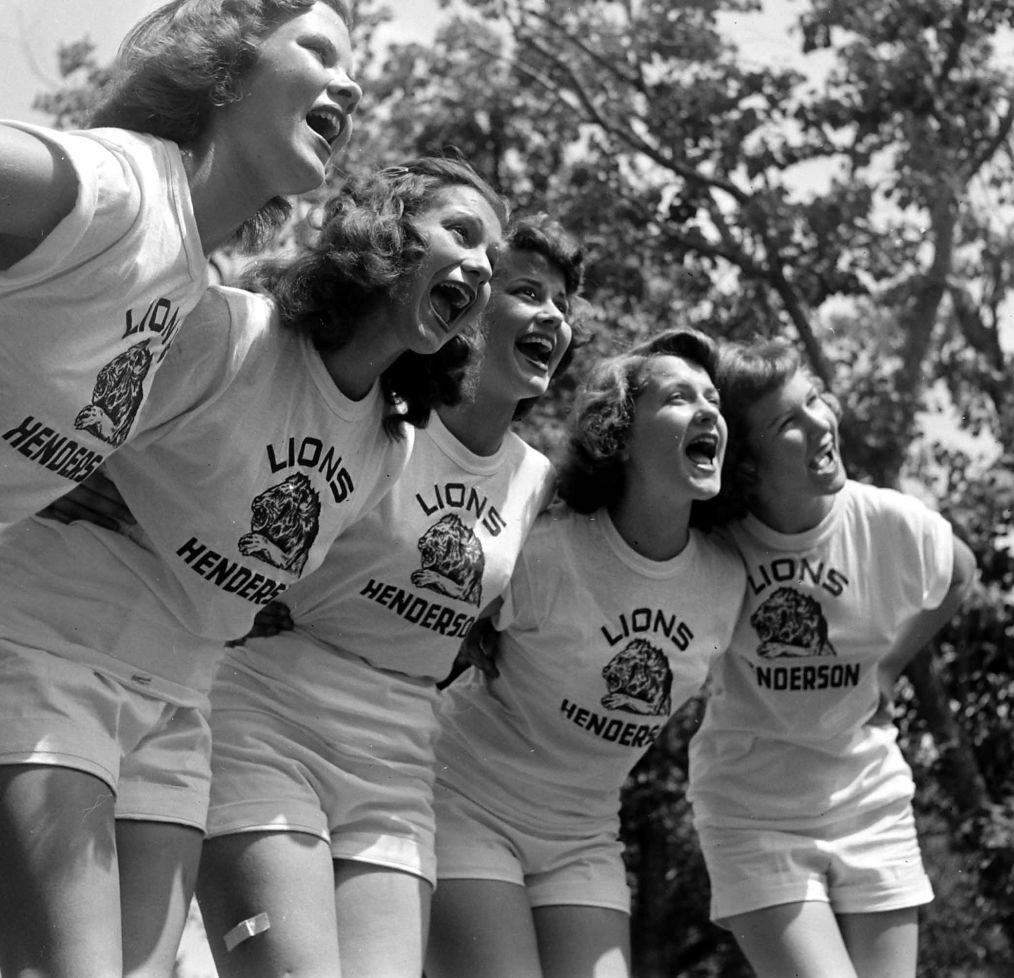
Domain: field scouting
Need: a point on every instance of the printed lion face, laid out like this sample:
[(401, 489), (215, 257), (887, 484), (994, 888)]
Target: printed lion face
[(452, 560), (285, 521), (639, 679), (791, 624), (117, 395)]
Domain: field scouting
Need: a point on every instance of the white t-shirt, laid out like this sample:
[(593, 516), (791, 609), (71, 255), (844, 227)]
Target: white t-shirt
[(401, 588), (87, 317), (786, 738), (598, 647), (249, 462)]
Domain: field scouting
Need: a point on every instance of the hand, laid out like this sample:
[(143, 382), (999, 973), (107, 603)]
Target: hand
[(884, 713), (480, 648), (273, 618), (96, 500)]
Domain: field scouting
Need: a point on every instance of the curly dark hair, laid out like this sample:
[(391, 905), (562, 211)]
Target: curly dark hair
[(544, 235), (592, 474), (186, 57), (366, 246)]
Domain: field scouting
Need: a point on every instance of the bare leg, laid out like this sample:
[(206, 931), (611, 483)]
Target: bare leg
[(798, 939), (583, 942), (482, 927), (383, 919), (290, 877), (59, 887), (158, 870), (882, 945)]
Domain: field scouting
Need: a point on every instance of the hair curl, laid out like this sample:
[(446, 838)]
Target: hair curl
[(592, 474), (366, 247), (187, 57)]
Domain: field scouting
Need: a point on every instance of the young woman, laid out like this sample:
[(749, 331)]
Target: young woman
[(217, 108), (265, 439), (614, 613), (801, 796), (321, 823)]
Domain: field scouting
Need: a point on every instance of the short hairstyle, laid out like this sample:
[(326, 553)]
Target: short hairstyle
[(748, 372), (543, 235), (366, 247), (187, 57), (592, 474)]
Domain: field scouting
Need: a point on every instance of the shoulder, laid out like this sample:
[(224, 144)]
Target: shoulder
[(883, 505), (720, 556)]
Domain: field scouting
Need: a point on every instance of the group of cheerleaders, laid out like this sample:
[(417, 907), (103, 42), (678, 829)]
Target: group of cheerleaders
[(329, 452)]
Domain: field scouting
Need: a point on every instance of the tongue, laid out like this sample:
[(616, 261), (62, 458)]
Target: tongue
[(442, 307)]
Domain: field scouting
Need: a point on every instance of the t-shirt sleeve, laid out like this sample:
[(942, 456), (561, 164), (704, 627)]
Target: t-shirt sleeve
[(925, 549), (728, 574), (107, 206), (527, 594), (215, 339)]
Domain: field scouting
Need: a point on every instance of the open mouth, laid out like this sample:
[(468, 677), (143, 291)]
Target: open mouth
[(823, 460), (449, 301), (702, 450), (327, 123), (537, 348)]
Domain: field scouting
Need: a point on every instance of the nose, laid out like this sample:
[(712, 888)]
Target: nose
[(707, 411), (551, 313), (819, 417), (477, 264), (343, 90)]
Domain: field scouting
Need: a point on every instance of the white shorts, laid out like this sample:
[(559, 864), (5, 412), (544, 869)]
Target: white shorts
[(865, 864), (473, 843), (349, 760), (153, 754)]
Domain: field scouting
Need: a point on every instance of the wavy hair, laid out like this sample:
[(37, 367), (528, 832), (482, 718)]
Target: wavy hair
[(184, 59), (366, 248), (592, 473)]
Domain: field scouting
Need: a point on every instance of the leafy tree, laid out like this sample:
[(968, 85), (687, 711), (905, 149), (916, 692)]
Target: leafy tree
[(866, 212)]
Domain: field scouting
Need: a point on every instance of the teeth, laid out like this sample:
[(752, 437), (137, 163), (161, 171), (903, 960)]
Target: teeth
[(326, 122), (536, 347), (449, 300), (703, 449)]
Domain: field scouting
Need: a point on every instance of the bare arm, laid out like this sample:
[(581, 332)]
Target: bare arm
[(38, 188)]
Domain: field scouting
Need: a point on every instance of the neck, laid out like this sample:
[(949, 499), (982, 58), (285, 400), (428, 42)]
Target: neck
[(221, 200), (653, 526), (480, 427), (788, 515), (358, 363)]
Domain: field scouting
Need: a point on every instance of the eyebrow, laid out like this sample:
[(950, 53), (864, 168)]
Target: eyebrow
[(319, 37)]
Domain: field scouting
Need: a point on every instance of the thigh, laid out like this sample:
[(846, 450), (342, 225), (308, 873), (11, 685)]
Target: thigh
[(882, 945), (383, 920), (481, 927), (59, 887), (289, 876), (583, 942), (158, 870), (799, 939)]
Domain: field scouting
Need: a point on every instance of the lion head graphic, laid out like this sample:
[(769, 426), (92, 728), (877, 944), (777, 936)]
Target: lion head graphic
[(117, 395), (452, 561), (639, 680), (791, 625), (284, 525)]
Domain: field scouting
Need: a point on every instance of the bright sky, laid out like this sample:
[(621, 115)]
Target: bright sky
[(31, 31)]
